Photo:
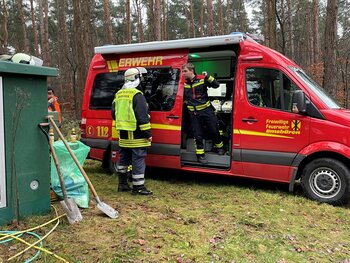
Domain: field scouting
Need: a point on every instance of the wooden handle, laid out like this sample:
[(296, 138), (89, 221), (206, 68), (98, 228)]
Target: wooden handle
[(74, 157)]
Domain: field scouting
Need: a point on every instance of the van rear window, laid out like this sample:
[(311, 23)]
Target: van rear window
[(104, 88), (159, 86)]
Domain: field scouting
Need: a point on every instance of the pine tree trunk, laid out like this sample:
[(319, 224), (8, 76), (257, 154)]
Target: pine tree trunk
[(42, 31), (46, 42), (24, 43), (107, 22), (271, 23), (165, 20), (193, 29), (157, 18), (242, 16), (87, 7), (265, 28), (290, 45), (210, 18), (150, 18), (35, 33), (78, 52), (188, 25), (316, 29), (220, 24), (330, 69), (140, 32), (128, 21), (66, 61), (281, 20), (201, 18), (228, 17), (310, 37), (3, 28)]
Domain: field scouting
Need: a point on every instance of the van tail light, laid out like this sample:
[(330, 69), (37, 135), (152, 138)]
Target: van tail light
[(83, 127), (99, 67), (252, 58)]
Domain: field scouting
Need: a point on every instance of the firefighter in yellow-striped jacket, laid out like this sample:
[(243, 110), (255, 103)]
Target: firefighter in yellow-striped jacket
[(200, 110), (130, 111)]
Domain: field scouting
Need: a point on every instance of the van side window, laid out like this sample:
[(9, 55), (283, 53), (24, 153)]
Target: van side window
[(269, 88), (104, 89), (160, 87)]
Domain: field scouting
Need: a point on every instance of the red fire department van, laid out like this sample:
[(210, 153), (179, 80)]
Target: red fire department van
[(277, 123)]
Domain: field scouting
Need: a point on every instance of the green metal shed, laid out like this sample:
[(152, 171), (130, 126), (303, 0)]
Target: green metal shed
[(24, 151)]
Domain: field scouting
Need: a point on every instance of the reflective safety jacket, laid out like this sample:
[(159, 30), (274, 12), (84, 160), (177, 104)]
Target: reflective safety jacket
[(196, 92), (130, 112), (55, 106)]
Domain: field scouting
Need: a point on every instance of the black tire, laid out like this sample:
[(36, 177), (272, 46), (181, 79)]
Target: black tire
[(326, 180)]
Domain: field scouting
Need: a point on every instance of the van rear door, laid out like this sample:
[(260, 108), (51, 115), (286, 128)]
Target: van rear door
[(163, 89)]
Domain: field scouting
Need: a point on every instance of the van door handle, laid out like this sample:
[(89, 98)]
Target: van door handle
[(172, 117), (249, 120)]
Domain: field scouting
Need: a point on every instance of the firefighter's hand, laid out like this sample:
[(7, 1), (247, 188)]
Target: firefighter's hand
[(149, 139), (52, 100), (204, 73)]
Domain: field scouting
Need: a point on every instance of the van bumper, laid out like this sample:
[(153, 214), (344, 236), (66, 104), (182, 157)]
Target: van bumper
[(95, 143)]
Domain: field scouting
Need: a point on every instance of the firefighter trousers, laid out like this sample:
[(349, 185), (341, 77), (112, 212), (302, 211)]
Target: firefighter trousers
[(136, 158), (199, 120)]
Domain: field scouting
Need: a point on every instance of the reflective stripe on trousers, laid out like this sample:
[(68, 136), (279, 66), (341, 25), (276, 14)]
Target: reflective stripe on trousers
[(135, 157)]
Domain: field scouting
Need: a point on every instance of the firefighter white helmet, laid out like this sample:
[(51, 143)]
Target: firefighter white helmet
[(142, 70), (132, 74), (23, 58)]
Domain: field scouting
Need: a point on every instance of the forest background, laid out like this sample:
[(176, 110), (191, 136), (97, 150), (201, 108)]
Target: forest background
[(313, 33)]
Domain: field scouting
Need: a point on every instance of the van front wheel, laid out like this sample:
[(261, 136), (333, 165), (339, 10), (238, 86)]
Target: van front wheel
[(326, 180)]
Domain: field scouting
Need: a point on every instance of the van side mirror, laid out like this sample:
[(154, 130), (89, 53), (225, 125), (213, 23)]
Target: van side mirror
[(299, 102)]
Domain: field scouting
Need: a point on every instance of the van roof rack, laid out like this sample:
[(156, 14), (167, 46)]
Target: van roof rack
[(200, 42)]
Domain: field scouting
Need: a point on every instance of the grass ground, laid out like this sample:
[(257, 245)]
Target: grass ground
[(198, 218)]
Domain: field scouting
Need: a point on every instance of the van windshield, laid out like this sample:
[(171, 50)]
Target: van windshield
[(320, 92)]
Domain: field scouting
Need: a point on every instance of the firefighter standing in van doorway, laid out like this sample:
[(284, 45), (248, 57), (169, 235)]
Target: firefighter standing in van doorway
[(130, 112), (201, 110)]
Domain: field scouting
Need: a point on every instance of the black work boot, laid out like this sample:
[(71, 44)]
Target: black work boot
[(220, 151), (141, 190), (123, 185), (201, 158)]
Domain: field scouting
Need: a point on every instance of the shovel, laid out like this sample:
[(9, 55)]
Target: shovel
[(108, 210), (68, 204)]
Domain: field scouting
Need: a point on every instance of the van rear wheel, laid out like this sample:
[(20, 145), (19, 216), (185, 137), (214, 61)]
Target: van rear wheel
[(112, 166), (326, 180)]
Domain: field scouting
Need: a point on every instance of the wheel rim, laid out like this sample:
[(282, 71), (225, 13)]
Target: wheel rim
[(115, 164), (325, 182)]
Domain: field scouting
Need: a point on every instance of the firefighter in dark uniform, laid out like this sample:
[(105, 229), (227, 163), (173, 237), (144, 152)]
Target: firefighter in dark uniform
[(201, 110), (130, 111)]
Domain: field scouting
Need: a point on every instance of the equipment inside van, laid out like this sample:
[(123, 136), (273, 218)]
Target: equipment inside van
[(274, 119)]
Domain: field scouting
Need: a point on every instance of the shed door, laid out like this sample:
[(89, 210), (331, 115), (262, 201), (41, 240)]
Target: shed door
[(2, 151)]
